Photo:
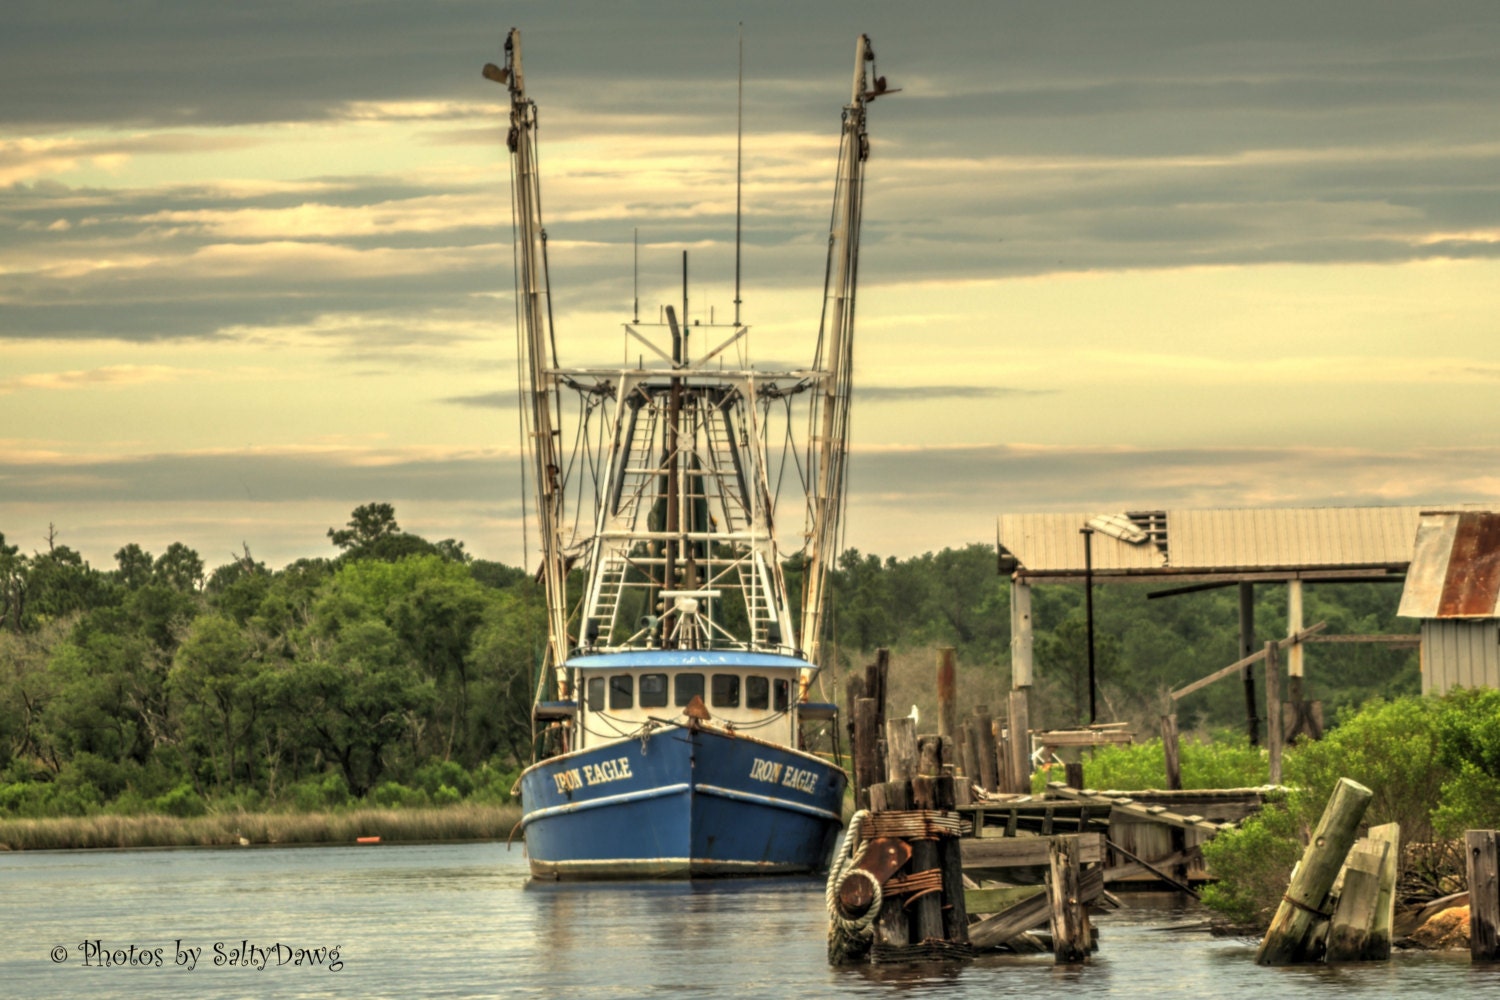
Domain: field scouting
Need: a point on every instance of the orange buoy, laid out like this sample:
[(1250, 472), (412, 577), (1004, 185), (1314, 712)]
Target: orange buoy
[(367, 840)]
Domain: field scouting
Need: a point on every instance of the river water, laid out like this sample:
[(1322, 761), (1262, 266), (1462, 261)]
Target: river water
[(465, 921)]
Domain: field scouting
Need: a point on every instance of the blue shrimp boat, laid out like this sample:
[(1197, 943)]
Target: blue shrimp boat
[(672, 716)]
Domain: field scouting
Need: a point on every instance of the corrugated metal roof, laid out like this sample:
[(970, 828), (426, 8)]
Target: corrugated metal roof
[(1221, 540), (1455, 568), (1055, 541)]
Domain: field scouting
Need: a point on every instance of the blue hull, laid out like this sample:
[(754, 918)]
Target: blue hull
[(680, 803)]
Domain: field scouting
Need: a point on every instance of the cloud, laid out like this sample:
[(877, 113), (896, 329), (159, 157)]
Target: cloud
[(94, 378), (1040, 478), (262, 475)]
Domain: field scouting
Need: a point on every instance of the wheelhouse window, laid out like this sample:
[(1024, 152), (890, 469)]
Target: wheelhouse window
[(726, 691), (783, 692), (653, 690), (757, 692), (685, 687), (621, 691), (596, 694)]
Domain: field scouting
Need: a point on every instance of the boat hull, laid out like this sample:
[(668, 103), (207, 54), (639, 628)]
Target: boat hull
[(680, 803)]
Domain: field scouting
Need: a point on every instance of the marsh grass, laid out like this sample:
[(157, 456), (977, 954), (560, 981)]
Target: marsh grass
[(451, 823)]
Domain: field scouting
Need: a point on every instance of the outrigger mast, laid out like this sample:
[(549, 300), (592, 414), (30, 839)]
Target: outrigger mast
[(828, 425), (538, 383)]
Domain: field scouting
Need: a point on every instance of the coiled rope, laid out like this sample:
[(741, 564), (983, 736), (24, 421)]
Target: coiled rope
[(850, 938)]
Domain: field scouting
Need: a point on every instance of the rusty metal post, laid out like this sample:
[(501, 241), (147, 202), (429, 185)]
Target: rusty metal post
[(947, 682)]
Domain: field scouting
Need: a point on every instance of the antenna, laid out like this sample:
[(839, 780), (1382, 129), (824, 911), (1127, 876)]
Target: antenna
[(635, 246), (739, 161)]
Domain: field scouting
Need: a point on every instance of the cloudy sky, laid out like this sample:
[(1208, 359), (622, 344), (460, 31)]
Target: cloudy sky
[(255, 259)]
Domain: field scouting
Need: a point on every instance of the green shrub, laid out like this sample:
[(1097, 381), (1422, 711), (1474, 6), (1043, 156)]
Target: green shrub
[(1230, 763), (1253, 865), (1392, 748), (180, 801), (317, 794), (393, 795), (1470, 800), (493, 784), (38, 799), (441, 773)]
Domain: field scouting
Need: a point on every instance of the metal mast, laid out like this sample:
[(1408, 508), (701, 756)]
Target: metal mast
[(828, 439), (538, 385)]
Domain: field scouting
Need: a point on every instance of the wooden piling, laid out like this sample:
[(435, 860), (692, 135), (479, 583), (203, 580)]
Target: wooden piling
[(1020, 740), (968, 753), (1070, 944), (984, 730), (1002, 762), (1482, 848), (1273, 709), (892, 928), (1073, 774), (901, 754), (1170, 751), (926, 908), (868, 767), (1378, 946), (1303, 908), (1354, 916), (950, 859)]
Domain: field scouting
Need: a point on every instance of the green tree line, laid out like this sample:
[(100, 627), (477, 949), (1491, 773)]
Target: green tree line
[(397, 661)]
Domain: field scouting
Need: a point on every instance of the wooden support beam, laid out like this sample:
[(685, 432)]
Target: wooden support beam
[(1273, 710), (1019, 740), (1134, 869), (1244, 662), (1016, 852), (1303, 908), (1127, 806), (1154, 870), (1397, 641)]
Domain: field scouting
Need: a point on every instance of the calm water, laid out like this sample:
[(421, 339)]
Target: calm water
[(463, 921)]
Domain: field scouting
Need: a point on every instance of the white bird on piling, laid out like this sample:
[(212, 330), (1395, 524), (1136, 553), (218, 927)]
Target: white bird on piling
[(914, 717)]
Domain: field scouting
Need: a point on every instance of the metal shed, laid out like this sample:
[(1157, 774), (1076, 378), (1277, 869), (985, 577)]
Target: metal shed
[(1201, 549), (1453, 586), (1189, 550)]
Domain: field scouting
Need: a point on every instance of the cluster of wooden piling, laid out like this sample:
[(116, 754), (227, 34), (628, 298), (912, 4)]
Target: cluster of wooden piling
[(1340, 904), (910, 790), (922, 915)]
